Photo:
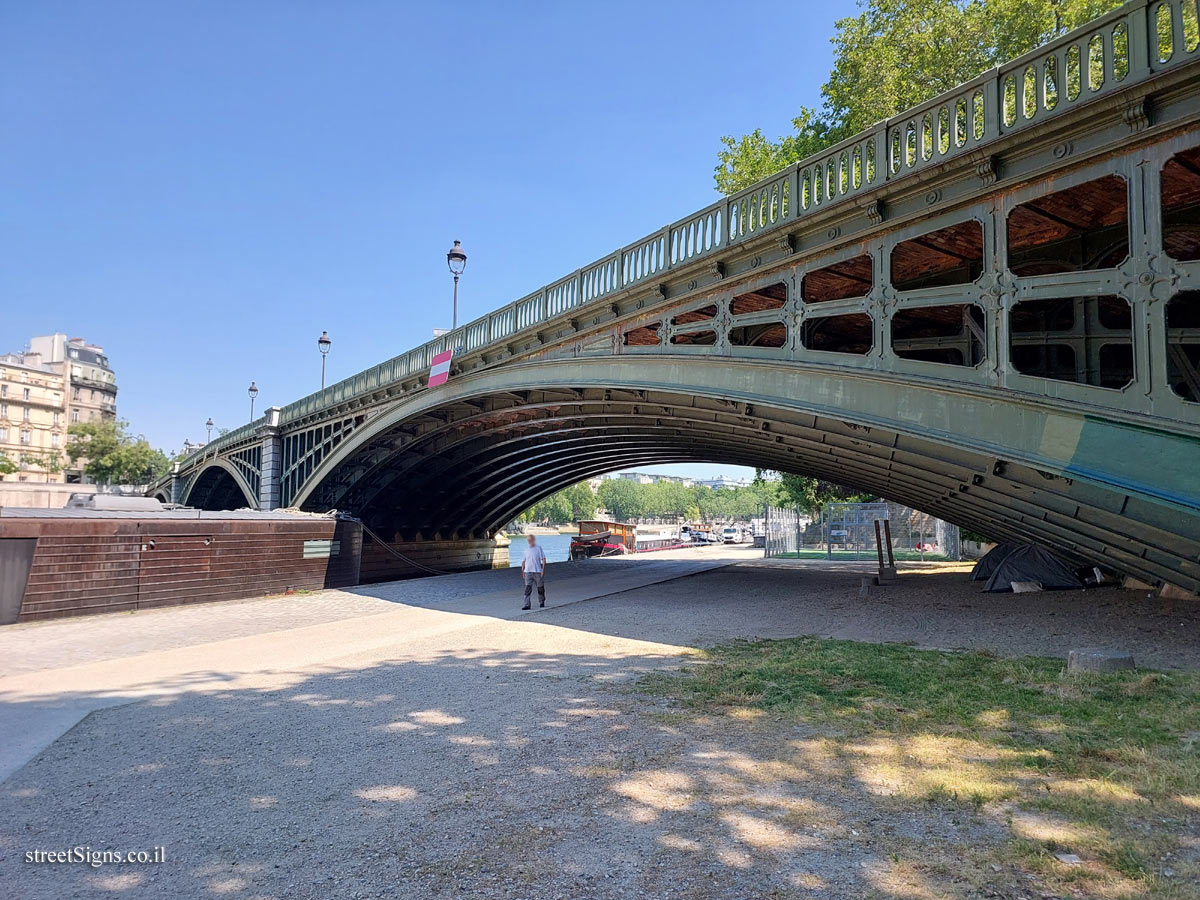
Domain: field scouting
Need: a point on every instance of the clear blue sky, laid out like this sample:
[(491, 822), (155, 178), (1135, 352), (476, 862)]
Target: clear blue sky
[(203, 187)]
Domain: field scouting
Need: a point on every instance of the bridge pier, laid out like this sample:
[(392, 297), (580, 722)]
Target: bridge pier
[(405, 559), (272, 457), (176, 486)]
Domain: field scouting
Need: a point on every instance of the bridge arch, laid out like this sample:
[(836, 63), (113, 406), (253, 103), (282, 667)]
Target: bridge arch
[(459, 462), (219, 485)]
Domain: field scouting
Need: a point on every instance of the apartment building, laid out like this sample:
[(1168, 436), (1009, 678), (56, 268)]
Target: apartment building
[(33, 417), (56, 382)]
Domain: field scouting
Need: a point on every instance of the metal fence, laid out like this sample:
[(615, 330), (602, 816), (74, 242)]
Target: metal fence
[(785, 528), (847, 531), (850, 528)]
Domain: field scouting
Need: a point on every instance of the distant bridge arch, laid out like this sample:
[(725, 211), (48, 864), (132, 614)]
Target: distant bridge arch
[(219, 485)]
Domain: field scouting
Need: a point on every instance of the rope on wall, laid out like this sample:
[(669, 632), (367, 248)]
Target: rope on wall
[(392, 550)]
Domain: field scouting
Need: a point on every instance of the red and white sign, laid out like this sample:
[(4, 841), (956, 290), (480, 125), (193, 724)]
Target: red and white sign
[(439, 372)]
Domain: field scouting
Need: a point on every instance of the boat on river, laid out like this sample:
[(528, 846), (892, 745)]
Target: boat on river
[(598, 537)]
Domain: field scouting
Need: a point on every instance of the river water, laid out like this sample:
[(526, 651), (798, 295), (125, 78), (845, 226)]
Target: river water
[(557, 547)]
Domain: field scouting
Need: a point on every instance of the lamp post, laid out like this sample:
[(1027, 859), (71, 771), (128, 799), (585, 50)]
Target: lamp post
[(253, 392), (323, 344), (456, 259), (209, 425)]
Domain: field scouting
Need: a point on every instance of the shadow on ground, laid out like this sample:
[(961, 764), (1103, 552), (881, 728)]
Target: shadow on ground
[(488, 773)]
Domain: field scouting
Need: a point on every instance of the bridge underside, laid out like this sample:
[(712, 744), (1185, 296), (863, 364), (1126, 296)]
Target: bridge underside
[(219, 487), (462, 469)]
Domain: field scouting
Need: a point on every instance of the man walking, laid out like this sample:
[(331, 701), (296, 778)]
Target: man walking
[(533, 570)]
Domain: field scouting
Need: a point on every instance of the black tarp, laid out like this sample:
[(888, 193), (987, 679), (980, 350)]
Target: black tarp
[(1032, 563), (990, 561)]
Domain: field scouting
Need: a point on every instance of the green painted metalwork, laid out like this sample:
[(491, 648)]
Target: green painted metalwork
[(1056, 363), (768, 207)]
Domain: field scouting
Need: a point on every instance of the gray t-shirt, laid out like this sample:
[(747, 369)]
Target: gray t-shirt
[(535, 559)]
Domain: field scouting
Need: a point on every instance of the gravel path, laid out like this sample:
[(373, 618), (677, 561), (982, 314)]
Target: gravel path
[(932, 606), (512, 759)]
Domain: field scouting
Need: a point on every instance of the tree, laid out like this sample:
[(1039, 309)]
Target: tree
[(807, 493), (48, 460), (569, 505), (113, 457), (7, 466), (555, 509), (894, 55), (624, 499), (582, 500)]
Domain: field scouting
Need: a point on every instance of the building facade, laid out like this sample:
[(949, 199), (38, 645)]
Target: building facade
[(53, 384), (33, 417)]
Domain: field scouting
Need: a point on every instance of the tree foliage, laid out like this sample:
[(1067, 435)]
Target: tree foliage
[(807, 493), (112, 456), (569, 505), (893, 55), (49, 461), (627, 500)]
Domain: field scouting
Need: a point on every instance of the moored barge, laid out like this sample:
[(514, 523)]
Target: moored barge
[(598, 537)]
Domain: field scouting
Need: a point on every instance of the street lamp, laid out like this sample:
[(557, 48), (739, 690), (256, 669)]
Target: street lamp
[(323, 344), (253, 392), (209, 426), (456, 259)]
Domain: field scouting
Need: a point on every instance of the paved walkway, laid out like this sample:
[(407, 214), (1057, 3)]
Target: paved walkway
[(54, 673), (453, 747)]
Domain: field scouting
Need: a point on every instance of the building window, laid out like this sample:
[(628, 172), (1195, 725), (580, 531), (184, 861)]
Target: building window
[(54, 440), (75, 393), (3, 390), (25, 436), (25, 413), (56, 417), (74, 415), (3, 435), (3, 410), (25, 394)]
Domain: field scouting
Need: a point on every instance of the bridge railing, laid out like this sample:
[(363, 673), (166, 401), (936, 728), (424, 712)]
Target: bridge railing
[(1120, 48)]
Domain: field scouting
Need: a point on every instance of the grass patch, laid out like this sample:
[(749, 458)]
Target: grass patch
[(1101, 766)]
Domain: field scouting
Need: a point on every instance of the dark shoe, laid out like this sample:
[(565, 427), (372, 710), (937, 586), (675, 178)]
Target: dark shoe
[(526, 606), (541, 604)]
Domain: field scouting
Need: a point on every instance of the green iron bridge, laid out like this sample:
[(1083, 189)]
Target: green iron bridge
[(987, 308)]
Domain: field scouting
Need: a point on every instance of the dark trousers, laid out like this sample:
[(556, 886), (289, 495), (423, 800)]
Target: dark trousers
[(538, 579)]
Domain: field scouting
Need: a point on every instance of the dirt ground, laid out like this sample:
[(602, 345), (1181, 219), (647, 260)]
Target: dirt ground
[(517, 759), (933, 605)]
